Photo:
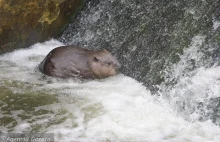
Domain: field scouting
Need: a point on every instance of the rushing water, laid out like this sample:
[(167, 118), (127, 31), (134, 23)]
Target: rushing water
[(118, 108), (162, 44), (146, 35)]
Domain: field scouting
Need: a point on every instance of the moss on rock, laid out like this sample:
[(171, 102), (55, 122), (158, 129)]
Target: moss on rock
[(24, 23)]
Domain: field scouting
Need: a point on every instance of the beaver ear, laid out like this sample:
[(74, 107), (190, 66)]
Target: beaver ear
[(95, 59)]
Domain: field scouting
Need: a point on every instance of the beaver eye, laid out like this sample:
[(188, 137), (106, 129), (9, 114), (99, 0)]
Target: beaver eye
[(95, 59)]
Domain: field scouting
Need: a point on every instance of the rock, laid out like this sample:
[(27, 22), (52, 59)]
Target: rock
[(24, 23)]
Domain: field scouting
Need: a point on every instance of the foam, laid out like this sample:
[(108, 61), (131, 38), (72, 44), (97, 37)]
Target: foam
[(118, 108)]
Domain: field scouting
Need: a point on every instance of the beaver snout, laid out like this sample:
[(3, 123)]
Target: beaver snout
[(117, 65)]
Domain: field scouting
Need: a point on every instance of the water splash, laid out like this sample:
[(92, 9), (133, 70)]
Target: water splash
[(117, 108), (192, 84)]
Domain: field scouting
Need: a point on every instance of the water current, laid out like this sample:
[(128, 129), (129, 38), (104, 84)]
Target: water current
[(185, 107)]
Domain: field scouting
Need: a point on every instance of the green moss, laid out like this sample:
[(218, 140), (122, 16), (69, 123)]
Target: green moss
[(39, 20)]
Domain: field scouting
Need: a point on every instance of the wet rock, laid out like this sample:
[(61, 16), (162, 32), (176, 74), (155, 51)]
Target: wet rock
[(24, 23), (145, 36)]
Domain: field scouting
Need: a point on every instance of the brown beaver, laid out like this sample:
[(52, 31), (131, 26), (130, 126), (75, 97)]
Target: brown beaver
[(70, 61)]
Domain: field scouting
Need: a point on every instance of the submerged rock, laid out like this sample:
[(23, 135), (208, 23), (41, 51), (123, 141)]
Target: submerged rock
[(24, 23)]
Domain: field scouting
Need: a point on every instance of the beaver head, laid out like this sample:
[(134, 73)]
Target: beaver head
[(103, 64)]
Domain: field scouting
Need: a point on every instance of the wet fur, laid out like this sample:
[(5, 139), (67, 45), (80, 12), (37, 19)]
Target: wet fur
[(69, 61)]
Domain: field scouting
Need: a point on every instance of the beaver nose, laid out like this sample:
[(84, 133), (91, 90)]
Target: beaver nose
[(117, 67)]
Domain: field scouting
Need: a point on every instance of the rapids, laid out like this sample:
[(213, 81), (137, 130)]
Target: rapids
[(168, 89), (117, 108)]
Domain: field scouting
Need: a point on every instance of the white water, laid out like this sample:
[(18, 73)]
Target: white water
[(118, 108), (195, 82)]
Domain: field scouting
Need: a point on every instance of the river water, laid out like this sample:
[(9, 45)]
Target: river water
[(169, 45), (117, 108)]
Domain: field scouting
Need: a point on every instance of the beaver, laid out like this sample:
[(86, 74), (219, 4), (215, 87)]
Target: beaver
[(70, 61)]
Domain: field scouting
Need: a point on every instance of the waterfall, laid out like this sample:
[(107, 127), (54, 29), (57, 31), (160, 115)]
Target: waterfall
[(168, 88), (146, 36), (163, 44)]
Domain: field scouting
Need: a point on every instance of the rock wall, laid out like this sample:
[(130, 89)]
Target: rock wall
[(23, 23), (146, 36)]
